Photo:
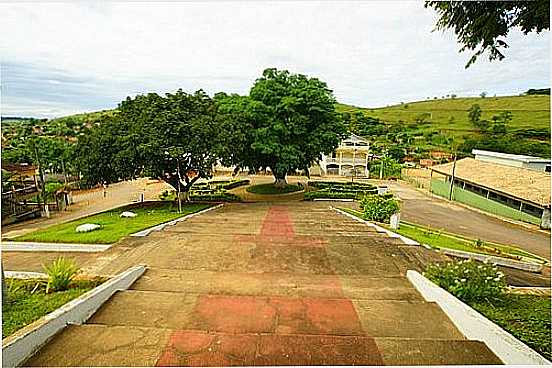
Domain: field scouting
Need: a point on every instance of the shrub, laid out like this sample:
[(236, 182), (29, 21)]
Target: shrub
[(309, 196), (60, 274), (215, 197), (468, 280), (236, 184), (378, 208)]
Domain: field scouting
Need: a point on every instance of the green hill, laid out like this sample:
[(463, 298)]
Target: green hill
[(451, 115)]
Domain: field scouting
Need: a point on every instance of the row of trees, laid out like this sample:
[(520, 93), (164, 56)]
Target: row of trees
[(285, 123)]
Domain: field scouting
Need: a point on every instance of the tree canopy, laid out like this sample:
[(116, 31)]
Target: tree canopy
[(285, 124), (482, 26), (156, 136)]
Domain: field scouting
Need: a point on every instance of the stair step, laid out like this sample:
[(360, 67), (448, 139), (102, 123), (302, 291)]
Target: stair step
[(282, 315), (410, 352), (277, 284), (99, 345)]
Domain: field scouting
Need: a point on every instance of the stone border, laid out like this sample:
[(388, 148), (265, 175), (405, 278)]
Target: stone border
[(20, 346), (24, 275), (13, 246), (525, 266), (474, 326), (511, 263), (160, 227), (378, 228), (334, 199)]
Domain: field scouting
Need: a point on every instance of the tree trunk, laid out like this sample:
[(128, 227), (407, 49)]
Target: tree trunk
[(185, 195), (280, 181)]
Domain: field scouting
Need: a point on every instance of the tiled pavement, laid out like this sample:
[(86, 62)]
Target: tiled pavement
[(258, 284)]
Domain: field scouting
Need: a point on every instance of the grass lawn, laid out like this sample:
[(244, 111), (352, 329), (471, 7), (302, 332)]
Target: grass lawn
[(26, 306), (271, 189), (439, 239), (527, 317), (113, 227)]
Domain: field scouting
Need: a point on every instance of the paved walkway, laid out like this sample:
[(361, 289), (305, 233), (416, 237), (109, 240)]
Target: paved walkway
[(267, 284)]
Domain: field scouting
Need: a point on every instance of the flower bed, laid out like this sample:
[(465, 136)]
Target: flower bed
[(482, 286)]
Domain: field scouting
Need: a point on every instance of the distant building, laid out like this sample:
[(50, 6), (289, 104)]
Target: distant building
[(439, 155), (522, 161), (506, 190), (426, 162), (350, 158)]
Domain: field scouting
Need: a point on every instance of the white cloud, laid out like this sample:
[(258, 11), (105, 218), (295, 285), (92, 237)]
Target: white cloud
[(369, 53)]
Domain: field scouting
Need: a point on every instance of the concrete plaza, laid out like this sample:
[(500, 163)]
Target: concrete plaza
[(287, 283)]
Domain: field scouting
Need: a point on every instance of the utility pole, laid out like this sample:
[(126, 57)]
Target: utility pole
[(43, 185), (64, 172), (452, 177), (381, 164)]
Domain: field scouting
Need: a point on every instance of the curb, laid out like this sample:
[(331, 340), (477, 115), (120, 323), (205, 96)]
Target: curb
[(475, 326), (20, 346), (525, 266), (24, 275), (528, 226), (511, 263), (334, 199), (378, 228), (160, 227), (12, 246)]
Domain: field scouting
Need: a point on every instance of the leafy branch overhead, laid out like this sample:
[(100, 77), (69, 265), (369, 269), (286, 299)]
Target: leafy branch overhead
[(482, 26)]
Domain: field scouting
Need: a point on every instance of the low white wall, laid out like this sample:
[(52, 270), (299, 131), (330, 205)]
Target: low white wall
[(159, 227), (20, 346), (512, 263), (475, 326), (12, 246)]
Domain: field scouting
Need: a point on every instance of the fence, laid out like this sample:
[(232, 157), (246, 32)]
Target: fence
[(442, 188)]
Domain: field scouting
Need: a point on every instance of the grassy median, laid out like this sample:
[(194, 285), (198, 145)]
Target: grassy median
[(440, 239), (113, 226), (28, 301)]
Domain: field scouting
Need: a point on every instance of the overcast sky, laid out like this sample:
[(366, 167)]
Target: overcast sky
[(61, 58)]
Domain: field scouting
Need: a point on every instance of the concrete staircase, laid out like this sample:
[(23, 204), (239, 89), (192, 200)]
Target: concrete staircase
[(278, 300)]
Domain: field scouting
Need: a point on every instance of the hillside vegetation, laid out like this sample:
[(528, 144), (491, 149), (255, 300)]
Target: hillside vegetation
[(528, 112), (514, 124)]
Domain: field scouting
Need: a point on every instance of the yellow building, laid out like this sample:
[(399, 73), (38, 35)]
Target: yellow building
[(349, 159)]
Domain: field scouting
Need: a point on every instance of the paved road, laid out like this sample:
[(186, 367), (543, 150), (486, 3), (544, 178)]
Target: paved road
[(421, 209), (289, 283)]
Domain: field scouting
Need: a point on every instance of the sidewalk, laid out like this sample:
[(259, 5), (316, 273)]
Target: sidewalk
[(89, 203)]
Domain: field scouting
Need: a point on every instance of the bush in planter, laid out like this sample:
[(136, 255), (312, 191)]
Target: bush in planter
[(60, 274), (468, 280), (379, 208)]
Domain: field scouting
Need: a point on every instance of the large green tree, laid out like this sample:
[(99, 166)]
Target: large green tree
[(286, 123), (482, 26), (177, 138)]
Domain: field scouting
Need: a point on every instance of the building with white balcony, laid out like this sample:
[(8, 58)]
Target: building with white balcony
[(349, 159)]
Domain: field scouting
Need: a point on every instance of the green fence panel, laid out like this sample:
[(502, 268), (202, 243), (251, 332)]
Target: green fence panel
[(442, 188)]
